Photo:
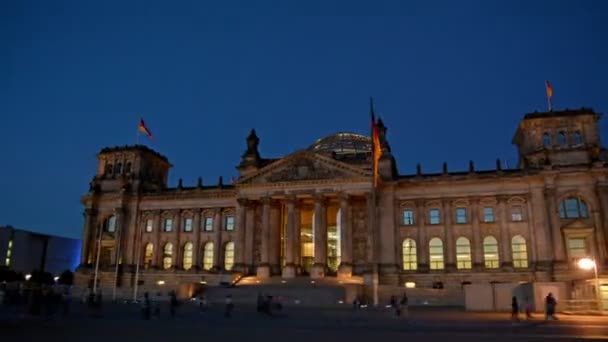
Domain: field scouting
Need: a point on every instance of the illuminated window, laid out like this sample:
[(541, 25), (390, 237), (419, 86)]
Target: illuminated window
[(463, 254), (573, 207), (229, 256), (111, 224), (561, 138), (148, 254), (490, 252), (187, 224), (517, 214), (187, 262), (9, 253), (168, 225), (461, 215), (546, 140), (434, 216), (577, 247), (168, 256), (229, 223), (208, 224), (577, 138), (408, 217), (520, 252), (436, 254), (149, 225), (488, 215), (410, 262), (410, 285), (208, 256)]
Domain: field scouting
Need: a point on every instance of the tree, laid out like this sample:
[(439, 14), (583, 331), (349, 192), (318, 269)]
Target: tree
[(66, 278), (42, 278)]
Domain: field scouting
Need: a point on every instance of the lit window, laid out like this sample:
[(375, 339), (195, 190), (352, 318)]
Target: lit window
[(187, 262), (577, 138), (461, 215), (436, 254), (546, 140), (148, 254), (520, 252), (573, 207), (488, 215), (408, 217), (490, 252), (187, 224), (111, 224), (168, 256), (229, 256), (168, 225), (463, 254), (410, 285), (410, 262), (208, 256), (149, 225), (9, 253), (434, 216), (517, 214), (229, 222), (561, 138), (208, 224), (577, 248)]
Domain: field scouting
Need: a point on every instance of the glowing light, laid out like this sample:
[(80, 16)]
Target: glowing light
[(410, 285), (340, 302), (203, 282), (28, 276), (283, 281), (56, 278), (160, 282), (312, 281), (586, 264)]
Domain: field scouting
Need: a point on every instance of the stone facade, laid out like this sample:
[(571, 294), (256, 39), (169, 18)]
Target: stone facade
[(314, 214)]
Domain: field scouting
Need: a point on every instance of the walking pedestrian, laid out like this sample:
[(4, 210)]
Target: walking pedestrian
[(550, 304), (514, 309)]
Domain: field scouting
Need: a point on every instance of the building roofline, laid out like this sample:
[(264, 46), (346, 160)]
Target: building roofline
[(140, 148)]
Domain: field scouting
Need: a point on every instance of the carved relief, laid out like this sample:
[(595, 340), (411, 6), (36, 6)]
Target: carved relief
[(304, 169)]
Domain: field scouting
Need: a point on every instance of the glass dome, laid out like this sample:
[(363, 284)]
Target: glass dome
[(343, 144)]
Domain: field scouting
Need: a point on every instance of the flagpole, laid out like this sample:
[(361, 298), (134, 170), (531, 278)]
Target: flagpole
[(373, 220), (119, 232)]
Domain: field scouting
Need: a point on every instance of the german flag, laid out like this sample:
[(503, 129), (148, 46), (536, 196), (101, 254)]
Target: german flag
[(143, 129), (376, 148)]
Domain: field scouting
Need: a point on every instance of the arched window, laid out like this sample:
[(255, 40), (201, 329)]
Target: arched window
[(168, 256), (410, 261), (577, 138), (561, 138), (148, 254), (187, 262), (111, 224), (229, 256), (208, 256), (118, 168), (520, 252), (463, 254), (573, 207), (436, 254), (128, 168), (546, 140), (490, 252)]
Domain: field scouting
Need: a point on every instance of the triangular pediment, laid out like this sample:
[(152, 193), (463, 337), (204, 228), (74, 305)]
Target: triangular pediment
[(304, 166)]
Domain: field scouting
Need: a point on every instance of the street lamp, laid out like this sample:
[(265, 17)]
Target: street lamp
[(587, 264)]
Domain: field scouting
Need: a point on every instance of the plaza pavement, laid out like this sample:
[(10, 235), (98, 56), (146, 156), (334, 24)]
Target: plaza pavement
[(123, 322)]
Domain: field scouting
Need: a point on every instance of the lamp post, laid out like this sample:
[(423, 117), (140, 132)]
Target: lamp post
[(587, 264)]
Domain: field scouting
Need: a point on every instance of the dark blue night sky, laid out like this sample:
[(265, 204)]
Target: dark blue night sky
[(451, 79)]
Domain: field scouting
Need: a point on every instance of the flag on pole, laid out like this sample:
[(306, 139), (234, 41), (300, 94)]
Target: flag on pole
[(376, 149), (549, 95), (143, 129)]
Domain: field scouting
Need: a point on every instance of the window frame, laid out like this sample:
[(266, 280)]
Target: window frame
[(520, 263), (149, 227), (228, 255), (168, 225), (460, 215), (493, 263), (463, 248), (431, 217), (208, 223), (485, 215), (580, 212), (514, 208), (436, 265), (408, 221), (409, 259), (229, 223), (187, 223)]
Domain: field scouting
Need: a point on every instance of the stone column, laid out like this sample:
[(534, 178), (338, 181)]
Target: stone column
[(506, 259), (602, 194), (289, 270), (297, 246), (542, 230), (263, 270), (218, 249), (320, 238), (118, 236), (422, 245), (600, 241), (157, 250), (345, 270), (240, 224), (196, 229), (477, 240), (89, 240), (371, 241), (274, 239), (450, 243), (177, 246), (559, 252), (249, 235)]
